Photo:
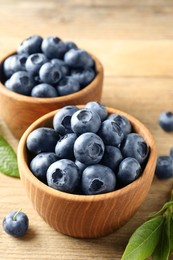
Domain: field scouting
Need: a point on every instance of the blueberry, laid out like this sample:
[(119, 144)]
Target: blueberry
[(50, 73), (171, 152), (62, 65), (98, 179), (7, 66), (53, 47), (42, 139), (31, 45), (62, 119), (166, 121), (122, 121), (16, 223), (99, 108), (40, 163), (164, 167), (88, 148), (7, 84), (85, 120), (70, 45), (84, 76), (64, 146), (34, 62), (111, 133), (135, 146), (129, 170), (81, 166), (21, 82), (112, 157), (68, 85), (44, 90), (63, 175), (77, 58)]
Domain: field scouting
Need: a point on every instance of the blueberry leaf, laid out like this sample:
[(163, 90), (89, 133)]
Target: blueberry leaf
[(171, 233), (165, 206), (144, 240), (8, 159)]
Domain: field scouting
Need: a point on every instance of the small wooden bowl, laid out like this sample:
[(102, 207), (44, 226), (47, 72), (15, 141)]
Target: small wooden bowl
[(86, 216), (19, 111)]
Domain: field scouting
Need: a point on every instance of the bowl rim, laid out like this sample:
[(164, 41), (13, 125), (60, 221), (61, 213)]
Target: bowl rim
[(30, 99), (22, 162)]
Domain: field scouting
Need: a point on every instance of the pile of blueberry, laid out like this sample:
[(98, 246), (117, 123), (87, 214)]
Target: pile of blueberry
[(87, 151), (48, 67)]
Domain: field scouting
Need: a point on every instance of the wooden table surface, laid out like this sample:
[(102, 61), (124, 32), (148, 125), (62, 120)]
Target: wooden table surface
[(134, 41)]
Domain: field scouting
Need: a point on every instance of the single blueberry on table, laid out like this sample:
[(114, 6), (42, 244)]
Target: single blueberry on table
[(40, 163), (30, 45), (50, 73), (99, 108), (89, 148), (62, 119), (129, 170), (21, 82), (16, 223), (42, 139), (64, 146), (34, 62), (67, 85), (112, 157), (122, 121), (166, 121), (84, 76), (64, 68), (98, 179), (44, 90), (111, 133), (164, 167), (135, 146), (53, 47), (85, 120), (63, 175), (77, 58)]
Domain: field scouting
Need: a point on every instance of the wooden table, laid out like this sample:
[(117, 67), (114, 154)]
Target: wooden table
[(134, 41)]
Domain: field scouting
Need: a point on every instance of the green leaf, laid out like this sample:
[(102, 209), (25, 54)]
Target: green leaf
[(171, 233), (144, 240), (165, 206), (8, 159), (162, 251)]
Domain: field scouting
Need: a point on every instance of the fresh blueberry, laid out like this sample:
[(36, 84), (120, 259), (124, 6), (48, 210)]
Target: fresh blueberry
[(129, 170), (112, 157), (111, 133), (98, 179), (164, 167), (44, 90), (62, 119), (42, 139), (78, 59), (63, 175), (64, 146), (85, 120), (166, 121), (81, 166), (21, 82), (84, 76), (62, 65), (68, 85), (16, 223), (7, 66), (99, 108), (53, 47), (31, 45), (34, 62), (7, 84), (135, 146), (122, 121), (70, 45), (89, 148), (50, 73), (40, 163)]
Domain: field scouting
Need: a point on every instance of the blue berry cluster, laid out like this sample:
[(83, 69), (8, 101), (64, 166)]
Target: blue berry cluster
[(87, 151), (48, 67)]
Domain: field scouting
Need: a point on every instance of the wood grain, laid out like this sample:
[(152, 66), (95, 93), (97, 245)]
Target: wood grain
[(134, 40)]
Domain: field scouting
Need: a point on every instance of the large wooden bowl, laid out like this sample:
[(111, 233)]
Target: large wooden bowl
[(86, 216), (19, 111)]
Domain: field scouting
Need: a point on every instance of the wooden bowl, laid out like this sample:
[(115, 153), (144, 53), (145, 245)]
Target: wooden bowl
[(19, 111), (86, 216)]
